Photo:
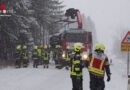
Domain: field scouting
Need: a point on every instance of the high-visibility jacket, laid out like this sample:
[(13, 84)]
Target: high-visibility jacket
[(39, 52), (46, 55), (76, 65), (68, 55), (58, 54), (96, 64), (25, 55), (18, 55), (35, 55)]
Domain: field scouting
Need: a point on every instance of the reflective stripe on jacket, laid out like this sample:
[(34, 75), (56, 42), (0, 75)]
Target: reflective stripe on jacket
[(68, 56), (46, 56), (25, 56), (76, 65), (96, 65)]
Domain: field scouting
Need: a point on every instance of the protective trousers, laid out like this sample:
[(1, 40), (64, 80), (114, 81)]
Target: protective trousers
[(18, 63), (36, 63), (96, 83), (77, 83)]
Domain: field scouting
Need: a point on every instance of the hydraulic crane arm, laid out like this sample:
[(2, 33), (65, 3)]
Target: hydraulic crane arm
[(74, 13)]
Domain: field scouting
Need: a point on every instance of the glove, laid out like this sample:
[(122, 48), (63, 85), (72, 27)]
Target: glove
[(108, 78)]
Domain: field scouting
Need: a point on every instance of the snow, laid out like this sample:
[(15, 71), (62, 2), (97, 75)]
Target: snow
[(54, 79)]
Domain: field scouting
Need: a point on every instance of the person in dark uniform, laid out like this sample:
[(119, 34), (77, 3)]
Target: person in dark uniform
[(58, 57), (25, 56), (76, 68), (18, 55), (35, 57), (46, 57), (98, 64), (68, 57)]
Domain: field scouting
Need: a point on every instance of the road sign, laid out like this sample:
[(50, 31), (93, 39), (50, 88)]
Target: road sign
[(126, 39), (125, 44), (125, 47)]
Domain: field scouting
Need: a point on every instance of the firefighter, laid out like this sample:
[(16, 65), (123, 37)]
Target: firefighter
[(58, 57), (76, 68), (39, 54), (42, 49), (98, 64), (18, 56), (35, 57), (25, 56), (68, 57), (46, 57)]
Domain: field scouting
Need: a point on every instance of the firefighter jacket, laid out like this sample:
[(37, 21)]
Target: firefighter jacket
[(18, 54), (46, 55), (98, 64), (68, 55), (58, 54), (25, 55), (76, 64), (35, 55), (39, 52)]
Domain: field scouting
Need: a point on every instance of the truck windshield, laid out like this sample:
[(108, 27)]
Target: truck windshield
[(75, 37)]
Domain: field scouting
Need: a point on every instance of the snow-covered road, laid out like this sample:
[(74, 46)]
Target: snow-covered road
[(53, 79)]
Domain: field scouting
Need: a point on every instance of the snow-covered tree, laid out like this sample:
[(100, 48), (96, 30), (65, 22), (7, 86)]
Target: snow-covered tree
[(30, 20)]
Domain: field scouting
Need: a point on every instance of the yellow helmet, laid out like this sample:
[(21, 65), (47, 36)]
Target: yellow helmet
[(77, 47), (68, 47), (18, 47), (41, 46), (45, 47), (35, 47), (100, 47), (24, 47)]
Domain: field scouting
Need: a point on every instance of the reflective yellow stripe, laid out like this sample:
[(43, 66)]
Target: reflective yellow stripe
[(77, 69), (101, 64), (25, 57), (35, 58), (91, 63), (74, 73), (92, 69), (68, 58), (46, 58), (76, 62), (96, 70)]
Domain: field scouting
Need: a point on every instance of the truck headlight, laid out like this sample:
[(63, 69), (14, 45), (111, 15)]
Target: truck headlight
[(63, 55), (84, 56)]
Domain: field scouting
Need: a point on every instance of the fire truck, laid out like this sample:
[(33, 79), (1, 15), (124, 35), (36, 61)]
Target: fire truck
[(75, 35)]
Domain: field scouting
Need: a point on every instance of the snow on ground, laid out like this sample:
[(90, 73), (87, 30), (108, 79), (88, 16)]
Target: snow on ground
[(54, 79)]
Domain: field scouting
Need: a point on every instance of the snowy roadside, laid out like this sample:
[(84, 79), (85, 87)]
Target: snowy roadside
[(53, 79)]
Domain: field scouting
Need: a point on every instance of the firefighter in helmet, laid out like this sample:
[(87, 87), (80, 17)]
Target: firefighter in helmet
[(35, 57), (40, 54), (68, 57), (46, 57), (42, 49), (18, 56), (58, 57), (25, 56), (98, 64), (76, 68)]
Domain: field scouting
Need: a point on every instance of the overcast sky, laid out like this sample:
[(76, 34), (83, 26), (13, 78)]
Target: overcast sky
[(109, 16)]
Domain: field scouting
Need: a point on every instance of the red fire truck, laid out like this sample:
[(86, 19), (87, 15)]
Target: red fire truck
[(74, 35), (77, 35)]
